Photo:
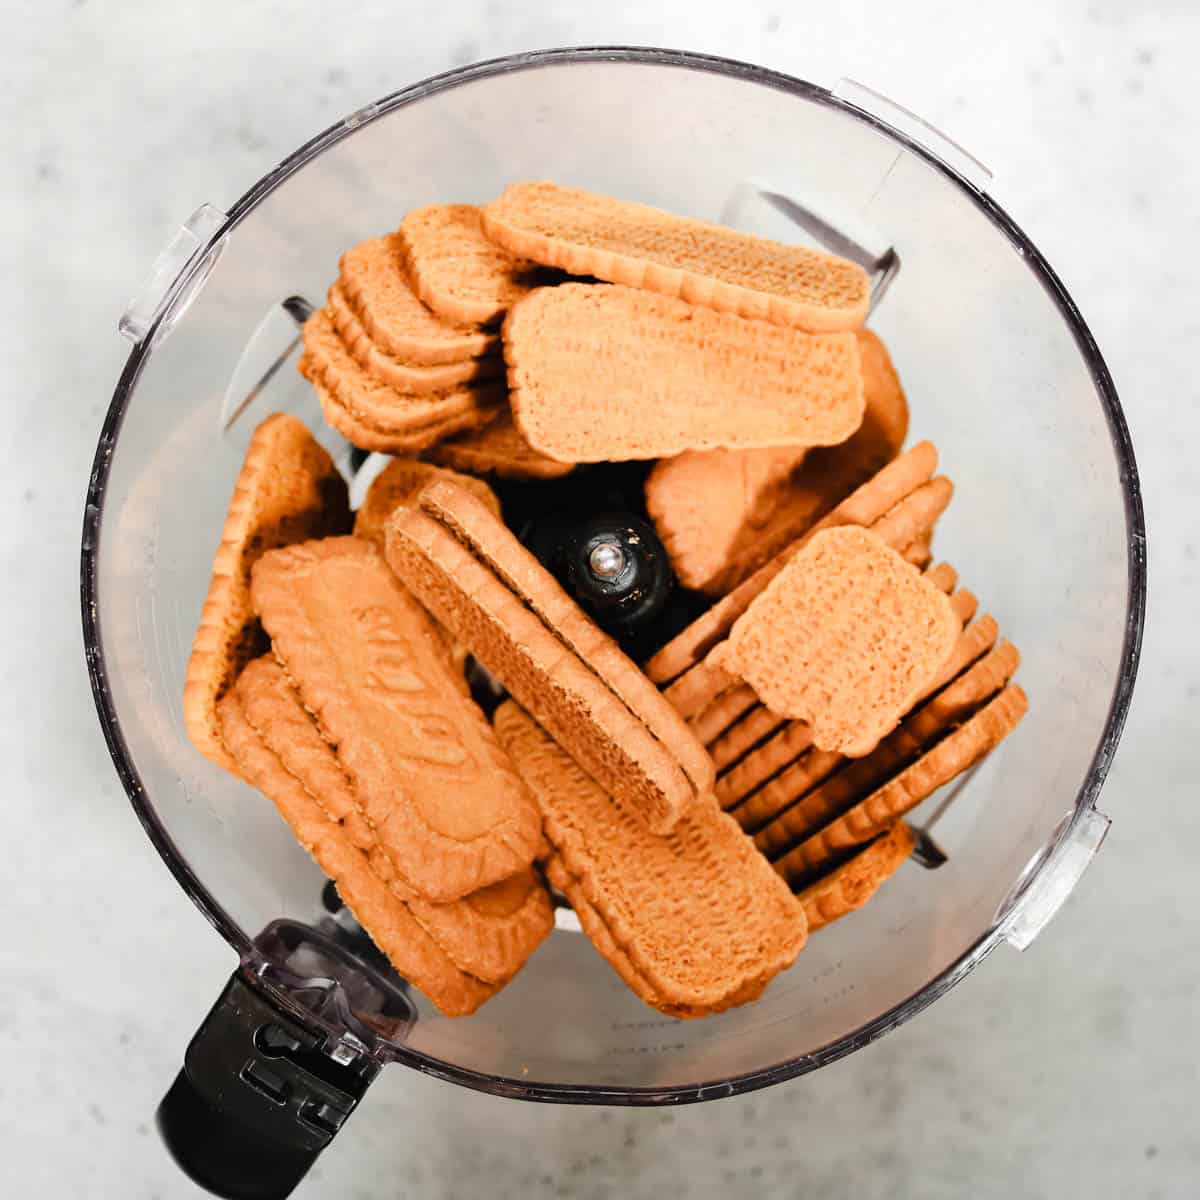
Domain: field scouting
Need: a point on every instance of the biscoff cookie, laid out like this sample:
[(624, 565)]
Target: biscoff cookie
[(721, 514), (400, 482), (396, 418), (643, 247), (456, 271), (480, 529), (497, 618), (858, 777), (488, 934), (602, 373), (695, 910), (845, 638), (953, 755), (288, 490), (851, 884), (864, 506), (498, 449), (385, 917), (374, 670), (405, 376), (375, 281), (598, 933)]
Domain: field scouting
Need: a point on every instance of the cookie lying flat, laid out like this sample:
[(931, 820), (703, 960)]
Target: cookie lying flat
[(721, 514), (701, 684), (849, 886), (498, 449), (845, 637), (367, 411), (399, 373), (643, 247), (870, 817), (456, 271), (864, 506), (499, 602), (918, 731), (375, 906), (399, 483), (601, 373), (376, 283), (288, 490), (442, 798), (488, 934), (694, 911)]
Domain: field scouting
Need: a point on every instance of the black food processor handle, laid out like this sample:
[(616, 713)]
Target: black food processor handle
[(258, 1099)]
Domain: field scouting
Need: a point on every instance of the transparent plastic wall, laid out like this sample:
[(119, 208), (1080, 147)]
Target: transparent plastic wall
[(994, 376)]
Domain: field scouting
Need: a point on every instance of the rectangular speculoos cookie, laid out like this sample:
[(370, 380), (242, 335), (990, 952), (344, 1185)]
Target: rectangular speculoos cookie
[(474, 576), (644, 247), (601, 373), (443, 799), (287, 490), (694, 912), (487, 934)]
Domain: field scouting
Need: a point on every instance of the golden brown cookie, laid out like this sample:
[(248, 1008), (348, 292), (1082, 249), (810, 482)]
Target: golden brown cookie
[(643, 247), (488, 934), (442, 798), (400, 482), (375, 906), (866, 505), (499, 602), (870, 817), (845, 638), (498, 449), (376, 284), (600, 373), (456, 271), (694, 911), (288, 490), (416, 378), (377, 416), (851, 884), (721, 514)]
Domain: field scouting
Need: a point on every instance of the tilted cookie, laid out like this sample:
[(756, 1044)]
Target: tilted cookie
[(859, 777), (498, 449), (375, 415), (442, 798), (721, 514), (456, 271), (375, 906), (406, 376), (864, 506), (845, 638), (602, 373), (288, 490), (496, 599), (376, 283), (851, 884), (643, 247), (489, 933), (695, 911), (400, 482), (953, 755)]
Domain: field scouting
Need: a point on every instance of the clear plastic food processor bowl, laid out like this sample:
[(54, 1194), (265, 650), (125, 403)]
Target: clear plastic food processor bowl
[(1001, 373)]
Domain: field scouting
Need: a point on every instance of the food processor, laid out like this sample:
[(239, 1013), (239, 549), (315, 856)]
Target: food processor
[(1046, 527)]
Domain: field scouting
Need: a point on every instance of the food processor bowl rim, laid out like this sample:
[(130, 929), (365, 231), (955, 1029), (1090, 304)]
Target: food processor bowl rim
[(731, 68)]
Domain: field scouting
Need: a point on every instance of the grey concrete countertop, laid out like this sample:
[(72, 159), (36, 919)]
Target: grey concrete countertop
[(1070, 1070)]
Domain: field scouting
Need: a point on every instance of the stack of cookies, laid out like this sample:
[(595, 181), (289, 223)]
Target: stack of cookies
[(703, 812)]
